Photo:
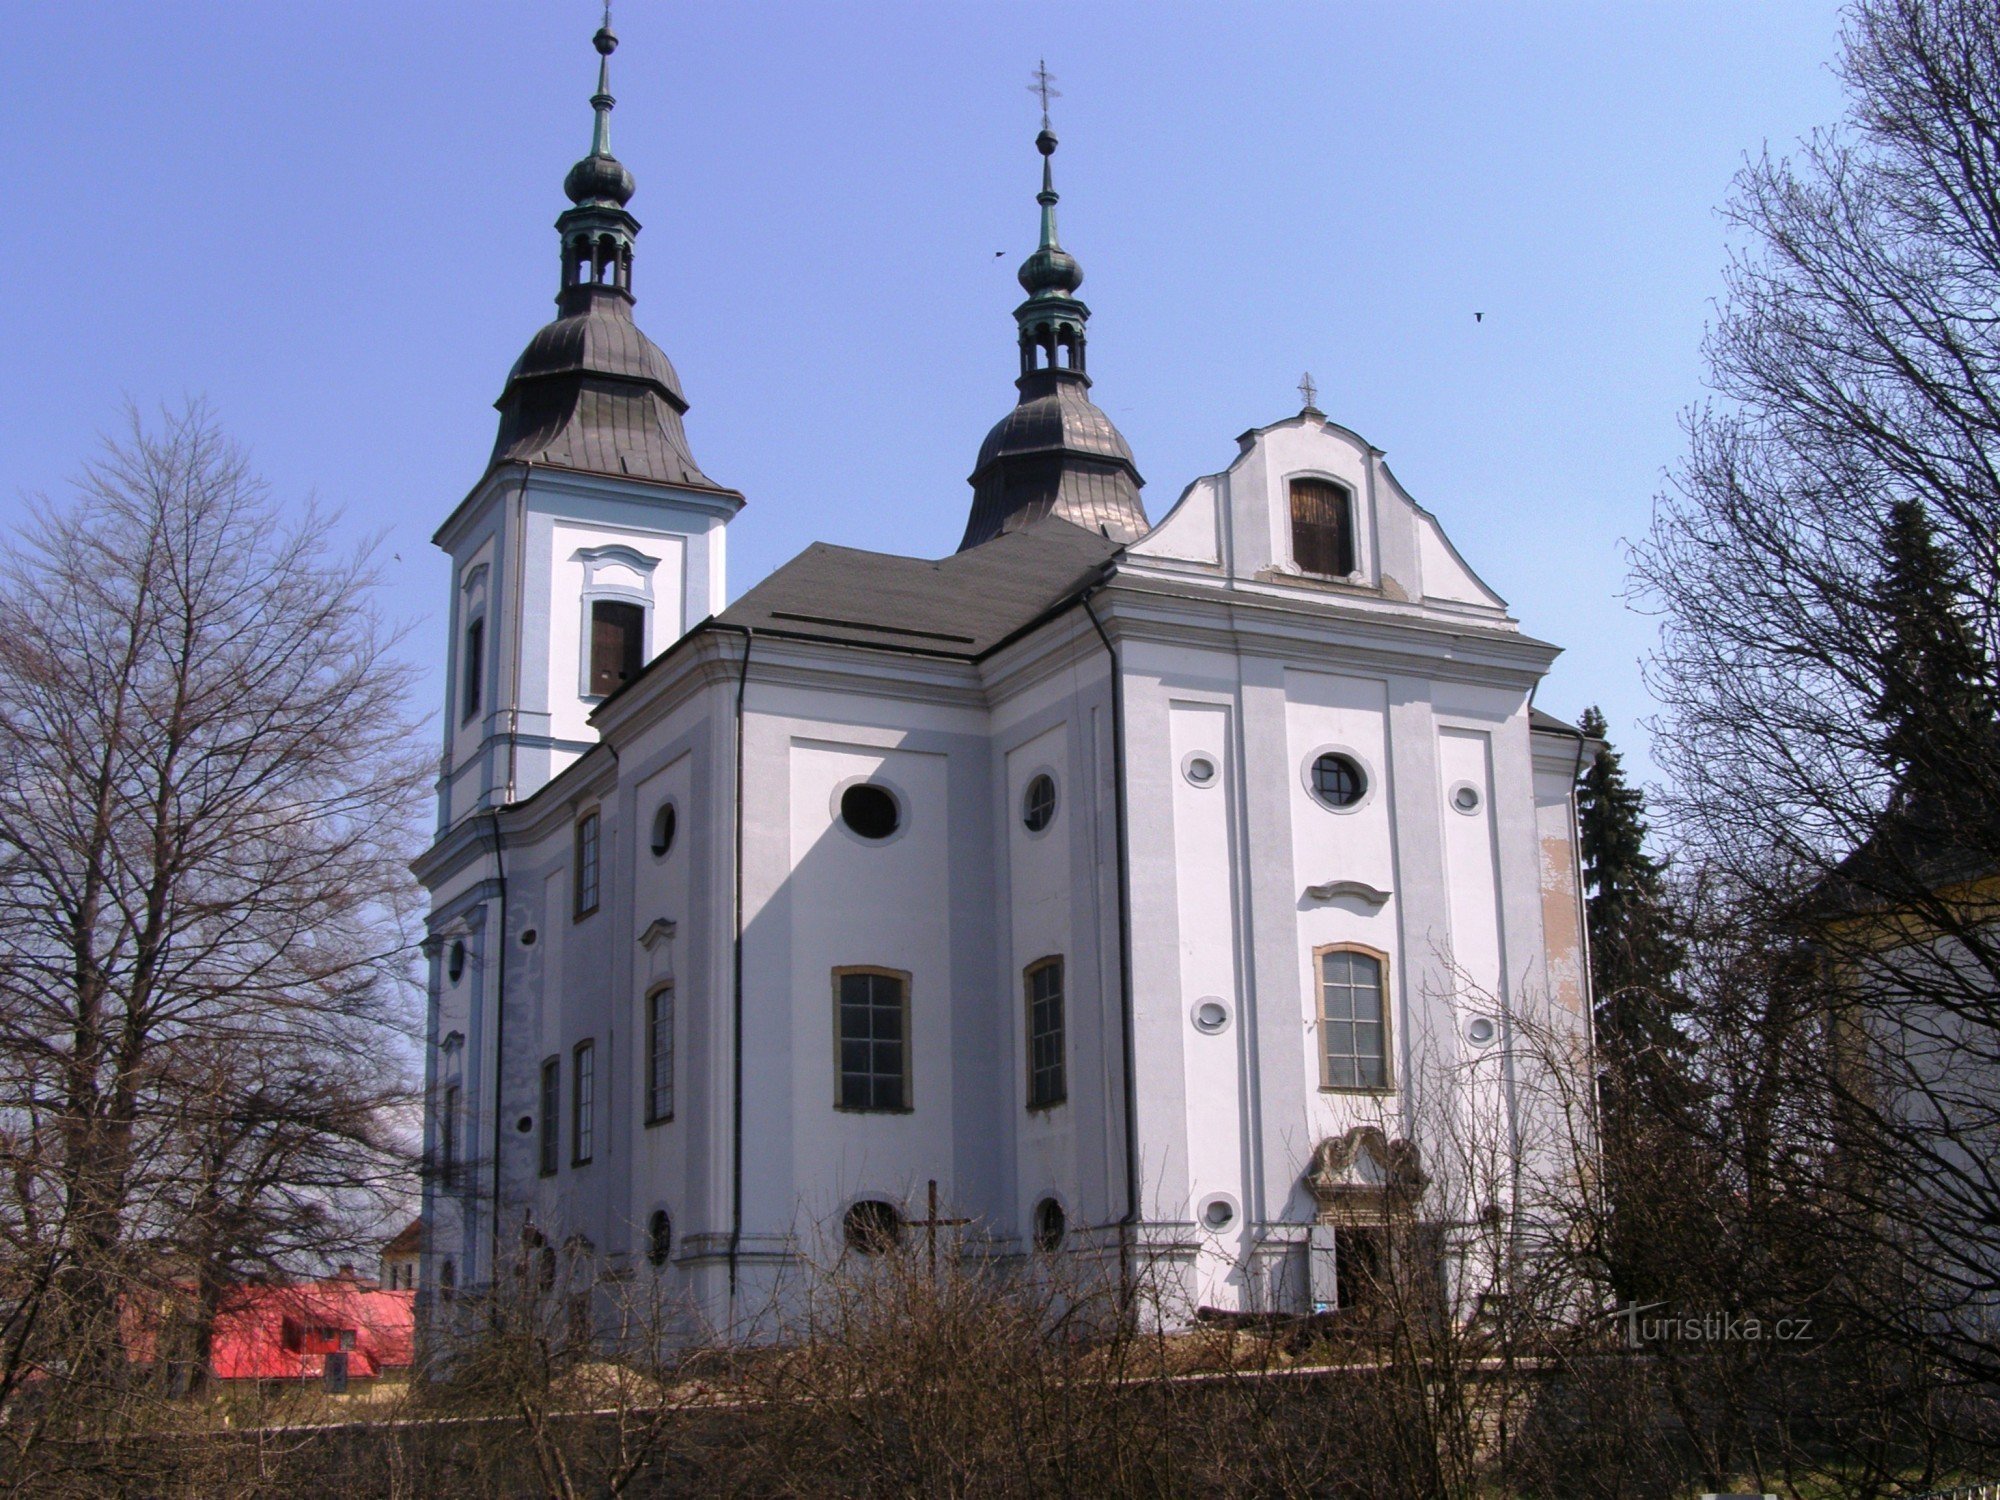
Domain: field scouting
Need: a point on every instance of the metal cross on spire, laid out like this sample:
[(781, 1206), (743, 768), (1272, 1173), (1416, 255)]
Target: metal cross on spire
[(1308, 392), (1045, 86)]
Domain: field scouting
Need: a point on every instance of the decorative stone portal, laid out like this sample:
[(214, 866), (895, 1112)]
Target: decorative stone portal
[(1363, 1183)]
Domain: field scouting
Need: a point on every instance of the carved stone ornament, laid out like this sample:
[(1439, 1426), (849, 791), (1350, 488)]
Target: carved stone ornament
[(1360, 1176), (1333, 890)]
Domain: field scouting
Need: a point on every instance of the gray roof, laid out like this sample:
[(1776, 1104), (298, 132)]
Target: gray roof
[(965, 605), (1549, 723), (592, 392), (1056, 454)]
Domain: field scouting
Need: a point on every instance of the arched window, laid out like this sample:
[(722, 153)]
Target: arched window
[(1051, 1224), (1353, 1017), (1322, 528)]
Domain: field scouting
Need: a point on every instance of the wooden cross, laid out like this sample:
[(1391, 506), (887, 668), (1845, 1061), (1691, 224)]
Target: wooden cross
[(1045, 85), (932, 1224), (1307, 390)]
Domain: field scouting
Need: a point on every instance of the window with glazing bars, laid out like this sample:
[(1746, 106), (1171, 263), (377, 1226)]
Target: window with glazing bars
[(873, 1026), (448, 1135), (1322, 528), (660, 1054), (475, 666), (550, 1116), (583, 1104), (586, 865), (1353, 1029), (1046, 1084)]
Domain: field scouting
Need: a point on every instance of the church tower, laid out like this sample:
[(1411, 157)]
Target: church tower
[(1055, 453), (593, 541)]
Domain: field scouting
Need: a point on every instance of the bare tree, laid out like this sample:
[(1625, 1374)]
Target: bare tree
[(1828, 566), (206, 808)]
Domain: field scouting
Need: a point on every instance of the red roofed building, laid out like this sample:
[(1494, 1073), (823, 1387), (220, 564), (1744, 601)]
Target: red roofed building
[(339, 1330)]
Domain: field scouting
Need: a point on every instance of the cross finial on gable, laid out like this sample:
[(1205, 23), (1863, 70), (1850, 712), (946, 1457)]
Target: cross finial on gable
[(1308, 391), (1045, 86)]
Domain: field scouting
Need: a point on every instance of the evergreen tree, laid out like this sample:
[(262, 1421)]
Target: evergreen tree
[(1935, 699), (1635, 956)]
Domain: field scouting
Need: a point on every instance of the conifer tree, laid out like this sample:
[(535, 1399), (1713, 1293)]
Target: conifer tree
[(1634, 954), (1935, 700)]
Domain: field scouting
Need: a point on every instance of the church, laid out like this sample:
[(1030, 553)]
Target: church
[(1104, 885)]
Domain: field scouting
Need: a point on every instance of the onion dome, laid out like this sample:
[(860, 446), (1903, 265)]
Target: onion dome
[(591, 391), (1056, 452)]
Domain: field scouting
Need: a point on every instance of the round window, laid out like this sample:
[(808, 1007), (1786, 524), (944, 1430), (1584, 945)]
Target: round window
[(525, 1124), (1482, 1031), (1038, 803), (1337, 780), (872, 1227), (1465, 797), (1199, 769), (528, 938), (1219, 1213), (869, 811), (1051, 1224), (664, 822), (1210, 1015), (456, 965), (659, 1237)]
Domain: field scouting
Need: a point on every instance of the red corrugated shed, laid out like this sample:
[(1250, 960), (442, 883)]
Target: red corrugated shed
[(286, 1332)]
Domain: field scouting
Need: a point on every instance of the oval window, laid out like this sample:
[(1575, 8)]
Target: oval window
[(1219, 1214), (872, 1227), (869, 811), (659, 1237), (1051, 1224), (1200, 770), (1211, 1016), (1482, 1031), (1337, 780), (1038, 804), (664, 822), (456, 966)]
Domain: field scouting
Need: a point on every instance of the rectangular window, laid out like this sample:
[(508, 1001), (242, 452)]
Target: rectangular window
[(1322, 528), (617, 645), (660, 1055), (1046, 1085), (586, 865), (1353, 1025), (872, 1024), (551, 1104), (475, 665), (583, 1104), (448, 1136)]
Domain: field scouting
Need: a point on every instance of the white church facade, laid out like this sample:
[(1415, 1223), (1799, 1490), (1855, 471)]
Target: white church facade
[(1115, 877)]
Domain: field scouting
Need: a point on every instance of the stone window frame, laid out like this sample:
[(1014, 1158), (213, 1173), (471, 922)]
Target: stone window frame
[(1038, 1101), (596, 591), (656, 1087), (1326, 1085), (902, 977)]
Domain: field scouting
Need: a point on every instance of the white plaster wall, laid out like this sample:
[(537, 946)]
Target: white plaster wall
[(1042, 918)]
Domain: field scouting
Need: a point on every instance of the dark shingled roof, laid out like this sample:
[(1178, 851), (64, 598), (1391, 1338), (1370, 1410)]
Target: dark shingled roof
[(592, 392), (965, 605), (1056, 453)]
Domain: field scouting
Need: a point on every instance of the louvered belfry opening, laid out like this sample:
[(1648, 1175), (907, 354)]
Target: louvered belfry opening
[(1322, 528), (617, 645)]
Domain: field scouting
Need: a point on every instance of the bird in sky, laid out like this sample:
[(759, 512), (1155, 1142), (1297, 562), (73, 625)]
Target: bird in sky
[(1479, 317)]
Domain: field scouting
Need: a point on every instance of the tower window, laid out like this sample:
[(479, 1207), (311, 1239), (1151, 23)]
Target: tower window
[(551, 1103), (1046, 1084), (660, 1055), (870, 811), (475, 666), (1322, 528), (1353, 1020), (586, 865), (1038, 803), (448, 1136), (659, 1237), (583, 1105), (1337, 780), (1051, 1224), (617, 644), (872, 1022)]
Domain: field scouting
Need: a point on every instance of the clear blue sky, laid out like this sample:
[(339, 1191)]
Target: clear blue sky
[(334, 221)]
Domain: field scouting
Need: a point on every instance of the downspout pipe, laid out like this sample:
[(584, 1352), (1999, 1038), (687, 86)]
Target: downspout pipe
[(1129, 1221), (499, 1036), (736, 984)]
